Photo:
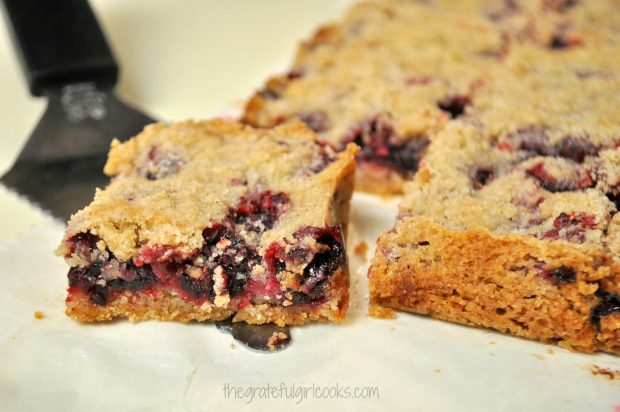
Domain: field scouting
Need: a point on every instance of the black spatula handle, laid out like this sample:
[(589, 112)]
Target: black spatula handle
[(59, 42)]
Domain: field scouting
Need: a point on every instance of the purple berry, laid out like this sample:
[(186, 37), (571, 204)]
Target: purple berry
[(454, 105), (562, 274), (379, 145), (609, 303), (268, 94), (317, 121), (259, 212), (575, 149), (480, 177)]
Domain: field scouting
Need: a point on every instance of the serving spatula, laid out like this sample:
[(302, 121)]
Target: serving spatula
[(65, 58)]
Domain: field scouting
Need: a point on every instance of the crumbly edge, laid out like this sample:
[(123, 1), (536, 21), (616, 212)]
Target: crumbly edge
[(252, 113), (477, 279), (254, 107)]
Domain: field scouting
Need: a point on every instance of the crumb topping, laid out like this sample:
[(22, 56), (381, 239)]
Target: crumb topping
[(173, 181), (504, 66)]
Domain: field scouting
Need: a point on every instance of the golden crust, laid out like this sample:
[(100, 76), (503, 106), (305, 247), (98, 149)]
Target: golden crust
[(478, 279), (484, 253)]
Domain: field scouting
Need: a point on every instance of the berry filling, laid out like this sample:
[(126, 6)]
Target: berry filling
[(559, 5), (330, 257), (320, 258), (614, 198), (553, 185), (610, 303), (480, 177), (454, 105), (380, 145), (533, 141), (571, 227), (268, 94), (160, 164), (317, 121), (325, 157), (92, 280), (227, 270), (561, 40), (575, 149), (560, 275), (259, 212)]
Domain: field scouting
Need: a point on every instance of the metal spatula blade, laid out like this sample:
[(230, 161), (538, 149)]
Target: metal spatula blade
[(66, 58), (62, 188), (62, 163)]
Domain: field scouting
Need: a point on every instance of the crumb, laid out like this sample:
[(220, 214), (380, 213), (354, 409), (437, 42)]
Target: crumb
[(550, 351), (38, 315), (379, 312), (437, 370), (233, 346), (492, 342), (276, 339), (537, 356), (13, 337), (611, 374), (361, 249)]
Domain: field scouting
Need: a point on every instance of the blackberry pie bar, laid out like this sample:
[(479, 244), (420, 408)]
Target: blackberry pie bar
[(512, 220), (498, 234), (212, 220)]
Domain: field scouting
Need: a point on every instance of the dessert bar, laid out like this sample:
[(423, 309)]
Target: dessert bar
[(213, 220)]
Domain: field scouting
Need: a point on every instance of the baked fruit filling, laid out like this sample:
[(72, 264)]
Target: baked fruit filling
[(226, 271), (381, 147), (213, 220)]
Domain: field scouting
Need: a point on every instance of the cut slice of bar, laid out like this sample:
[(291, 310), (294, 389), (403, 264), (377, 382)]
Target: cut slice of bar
[(496, 234), (208, 220), (392, 73)]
